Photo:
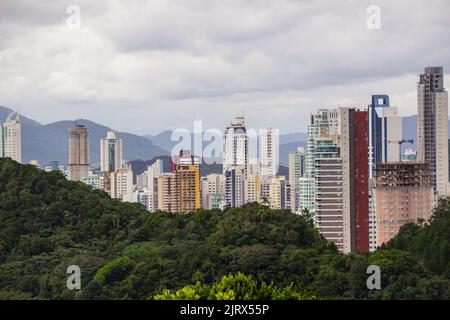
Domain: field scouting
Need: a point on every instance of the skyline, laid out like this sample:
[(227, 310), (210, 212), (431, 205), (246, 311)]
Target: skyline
[(141, 75)]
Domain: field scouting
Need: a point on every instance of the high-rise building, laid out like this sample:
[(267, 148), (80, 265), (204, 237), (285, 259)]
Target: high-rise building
[(78, 152), (154, 171), (234, 186), (279, 193), (252, 188), (297, 170), (179, 190), (360, 177), (338, 180), (188, 178), (166, 193), (11, 138), (235, 145), (110, 153), (403, 194), (187, 170), (212, 187), (269, 152), (323, 122), (142, 196), (432, 127), (329, 191), (385, 132), (122, 183)]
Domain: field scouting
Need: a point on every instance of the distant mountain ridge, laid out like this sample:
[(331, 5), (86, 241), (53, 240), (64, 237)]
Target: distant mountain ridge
[(50, 142)]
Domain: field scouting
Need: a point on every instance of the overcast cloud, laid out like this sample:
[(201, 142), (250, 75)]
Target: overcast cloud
[(147, 66)]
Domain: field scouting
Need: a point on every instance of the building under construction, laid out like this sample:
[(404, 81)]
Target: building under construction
[(403, 193)]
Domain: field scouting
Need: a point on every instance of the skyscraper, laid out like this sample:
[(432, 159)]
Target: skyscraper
[(212, 187), (340, 169), (279, 192), (110, 153), (11, 138), (252, 188), (78, 152), (323, 122), (329, 191), (153, 172), (188, 177), (234, 186), (269, 152), (297, 168), (122, 183), (167, 192), (235, 145), (385, 131), (432, 126)]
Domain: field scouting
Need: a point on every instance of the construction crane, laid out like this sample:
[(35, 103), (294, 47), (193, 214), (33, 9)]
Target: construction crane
[(400, 142)]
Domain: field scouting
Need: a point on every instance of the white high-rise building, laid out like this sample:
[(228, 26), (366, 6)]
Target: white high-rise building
[(122, 184), (110, 153), (323, 122), (235, 145), (432, 127), (154, 171), (11, 138), (269, 152), (297, 168)]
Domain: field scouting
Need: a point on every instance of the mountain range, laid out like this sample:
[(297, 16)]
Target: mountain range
[(50, 141)]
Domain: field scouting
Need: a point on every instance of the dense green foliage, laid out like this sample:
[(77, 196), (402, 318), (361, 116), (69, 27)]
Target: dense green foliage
[(238, 287), (124, 252)]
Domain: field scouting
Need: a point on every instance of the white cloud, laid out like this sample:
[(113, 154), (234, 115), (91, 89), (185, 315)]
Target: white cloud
[(146, 66)]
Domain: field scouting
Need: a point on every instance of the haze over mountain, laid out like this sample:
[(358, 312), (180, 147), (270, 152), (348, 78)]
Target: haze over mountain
[(50, 142)]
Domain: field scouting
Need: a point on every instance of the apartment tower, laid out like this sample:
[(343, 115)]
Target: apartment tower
[(110, 153), (78, 152), (432, 127), (11, 138)]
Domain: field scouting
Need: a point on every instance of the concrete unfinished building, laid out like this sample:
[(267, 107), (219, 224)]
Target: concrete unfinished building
[(403, 193)]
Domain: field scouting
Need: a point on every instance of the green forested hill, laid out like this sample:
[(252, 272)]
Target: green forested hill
[(124, 252)]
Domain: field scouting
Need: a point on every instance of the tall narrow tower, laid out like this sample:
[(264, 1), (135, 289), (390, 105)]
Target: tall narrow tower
[(385, 130), (235, 145), (110, 153), (269, 152), (432, 126), (11, 138), (78, 152)]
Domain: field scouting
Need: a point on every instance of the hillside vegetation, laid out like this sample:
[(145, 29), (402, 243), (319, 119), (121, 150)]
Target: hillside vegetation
[(48, 223)]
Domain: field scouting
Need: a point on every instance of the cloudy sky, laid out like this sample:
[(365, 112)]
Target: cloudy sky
[(147, 66)]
